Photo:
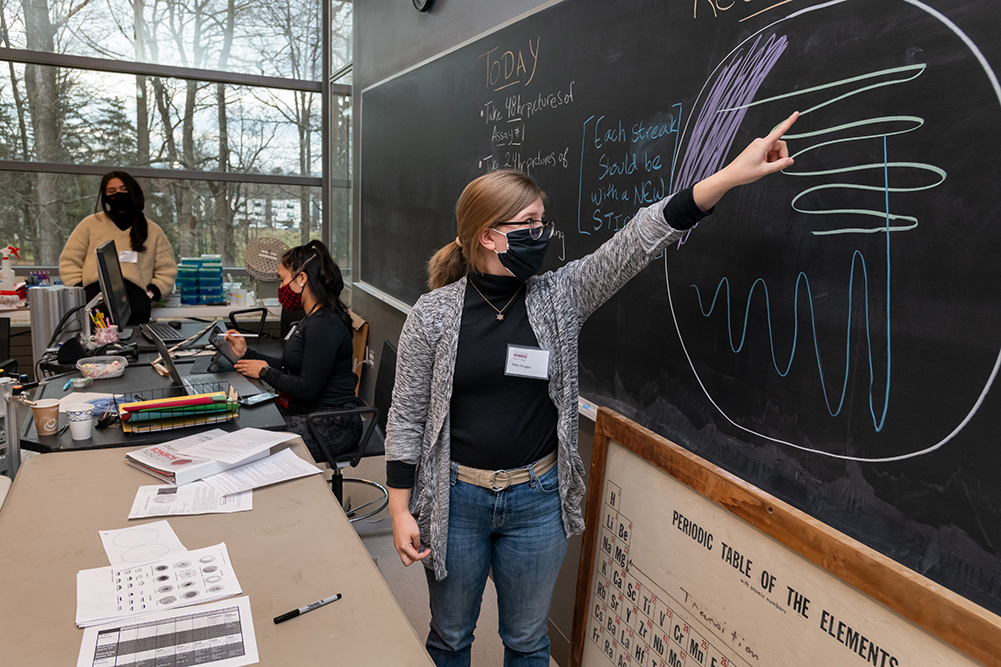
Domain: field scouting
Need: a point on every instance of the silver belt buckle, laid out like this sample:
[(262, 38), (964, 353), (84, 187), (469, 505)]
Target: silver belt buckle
[(493, 480)]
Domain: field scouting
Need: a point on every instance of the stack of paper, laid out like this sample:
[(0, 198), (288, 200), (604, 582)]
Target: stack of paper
[(151, 571), (186, 460)]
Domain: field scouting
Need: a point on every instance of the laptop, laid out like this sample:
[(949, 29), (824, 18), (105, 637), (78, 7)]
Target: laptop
[(196, 385)]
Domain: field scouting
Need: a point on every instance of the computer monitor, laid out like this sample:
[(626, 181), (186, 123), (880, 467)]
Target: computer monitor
[(109, 275)]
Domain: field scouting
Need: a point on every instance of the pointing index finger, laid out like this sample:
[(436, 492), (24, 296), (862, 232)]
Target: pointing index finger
[(783, 127)]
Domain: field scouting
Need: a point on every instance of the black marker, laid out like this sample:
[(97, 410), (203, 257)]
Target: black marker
[(309, 607)]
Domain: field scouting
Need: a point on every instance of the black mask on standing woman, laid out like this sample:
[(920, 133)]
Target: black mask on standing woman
[(524, 255), (121, 209)]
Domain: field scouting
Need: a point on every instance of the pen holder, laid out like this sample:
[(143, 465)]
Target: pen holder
[(107, 335)]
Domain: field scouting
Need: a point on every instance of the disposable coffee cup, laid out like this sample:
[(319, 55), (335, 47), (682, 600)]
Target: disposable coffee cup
[(46, 415), (81, 418)]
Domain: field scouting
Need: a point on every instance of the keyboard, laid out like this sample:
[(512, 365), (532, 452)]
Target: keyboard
[(165, 332)]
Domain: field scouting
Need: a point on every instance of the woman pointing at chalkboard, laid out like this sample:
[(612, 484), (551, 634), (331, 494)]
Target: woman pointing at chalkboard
[(481, 441)]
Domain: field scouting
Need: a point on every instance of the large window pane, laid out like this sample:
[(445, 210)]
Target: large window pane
[(268, 37), (197, 216), (125, 120)]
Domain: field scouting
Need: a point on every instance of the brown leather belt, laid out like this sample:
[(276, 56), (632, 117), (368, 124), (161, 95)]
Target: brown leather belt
[(499, 480)]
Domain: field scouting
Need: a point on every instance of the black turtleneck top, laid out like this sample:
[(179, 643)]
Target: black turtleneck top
[(498, 421)]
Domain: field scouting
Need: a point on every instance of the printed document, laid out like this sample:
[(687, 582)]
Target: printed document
[(194, 498), (140, 544), (276, 468), (238, 445), (220, 634)]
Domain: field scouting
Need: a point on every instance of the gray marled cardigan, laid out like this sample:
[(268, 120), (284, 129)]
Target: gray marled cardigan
[(558, 302)]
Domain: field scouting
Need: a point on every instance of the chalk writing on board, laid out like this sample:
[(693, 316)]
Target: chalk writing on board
[(627, 163), (509, 131), (509, 67), (859, 188)]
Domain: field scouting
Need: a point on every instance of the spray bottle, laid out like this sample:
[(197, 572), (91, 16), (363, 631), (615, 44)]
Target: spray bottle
[(8, 281)]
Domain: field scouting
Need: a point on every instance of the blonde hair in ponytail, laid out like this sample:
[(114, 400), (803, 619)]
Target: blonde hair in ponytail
[(489, 199)]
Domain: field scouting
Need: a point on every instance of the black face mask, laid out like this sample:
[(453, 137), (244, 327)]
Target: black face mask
[(121, 209), (524, 255)]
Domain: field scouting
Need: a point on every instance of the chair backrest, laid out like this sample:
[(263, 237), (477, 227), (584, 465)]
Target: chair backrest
[(372, 442), (384, 381), (241, 326)]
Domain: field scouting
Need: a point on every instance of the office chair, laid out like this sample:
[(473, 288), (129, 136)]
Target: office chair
[(235, 324), (372, 442)]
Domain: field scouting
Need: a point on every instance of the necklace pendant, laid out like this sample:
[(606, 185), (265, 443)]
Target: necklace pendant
[(500, 317)]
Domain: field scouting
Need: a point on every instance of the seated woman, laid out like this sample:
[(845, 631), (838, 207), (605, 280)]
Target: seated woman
[(144, 252), (315, 370)]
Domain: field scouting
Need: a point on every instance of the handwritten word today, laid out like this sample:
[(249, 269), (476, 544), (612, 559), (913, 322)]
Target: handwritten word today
[(511, 67)]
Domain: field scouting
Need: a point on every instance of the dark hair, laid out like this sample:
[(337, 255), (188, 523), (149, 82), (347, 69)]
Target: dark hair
[(323, 276), (140, 228)]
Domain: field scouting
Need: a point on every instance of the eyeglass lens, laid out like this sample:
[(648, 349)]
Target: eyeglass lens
[(538, 228)]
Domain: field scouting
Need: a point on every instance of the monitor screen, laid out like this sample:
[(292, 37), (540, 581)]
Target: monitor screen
[(109, 274)]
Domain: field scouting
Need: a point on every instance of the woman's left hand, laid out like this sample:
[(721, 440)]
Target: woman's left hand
[(251, 367)]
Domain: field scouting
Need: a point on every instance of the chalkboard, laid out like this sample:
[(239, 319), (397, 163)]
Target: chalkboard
[(684, 564), (831, 334)]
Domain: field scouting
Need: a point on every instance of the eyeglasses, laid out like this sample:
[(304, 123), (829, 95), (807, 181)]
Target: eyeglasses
[(536, 228)]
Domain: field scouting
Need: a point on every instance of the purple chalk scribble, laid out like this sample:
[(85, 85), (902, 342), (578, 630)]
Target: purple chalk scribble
[(724, 110)]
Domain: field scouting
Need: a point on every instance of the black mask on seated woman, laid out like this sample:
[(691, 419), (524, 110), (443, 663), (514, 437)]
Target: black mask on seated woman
[(122, 209)]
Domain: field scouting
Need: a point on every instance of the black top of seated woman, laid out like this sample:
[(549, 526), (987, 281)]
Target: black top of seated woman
[(315, 367)]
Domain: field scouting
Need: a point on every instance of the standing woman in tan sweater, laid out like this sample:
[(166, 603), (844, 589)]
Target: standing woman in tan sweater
[(144, 252)]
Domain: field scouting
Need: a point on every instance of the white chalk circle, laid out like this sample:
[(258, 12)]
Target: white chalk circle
[(912, 416)]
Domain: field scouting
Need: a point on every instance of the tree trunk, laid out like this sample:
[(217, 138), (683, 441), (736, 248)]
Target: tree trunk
[(224, 212), (225, 243), (142, 109), (187, 228), (304, 160), (43, 101)]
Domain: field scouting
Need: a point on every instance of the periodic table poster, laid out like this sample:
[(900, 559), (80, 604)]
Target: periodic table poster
[(679, 581)]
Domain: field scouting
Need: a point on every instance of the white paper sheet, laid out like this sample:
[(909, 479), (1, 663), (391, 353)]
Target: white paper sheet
[(108, 594), (194, 498), (171, 641), (94, 398), (127, 547), (276, 468), (189, 441), (238, 445)]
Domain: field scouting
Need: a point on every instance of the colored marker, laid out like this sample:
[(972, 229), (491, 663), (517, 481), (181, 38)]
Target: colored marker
[(309, 607)]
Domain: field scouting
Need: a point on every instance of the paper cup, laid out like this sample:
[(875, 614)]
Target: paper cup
[(81, 418), (46, 415), (107, 335)]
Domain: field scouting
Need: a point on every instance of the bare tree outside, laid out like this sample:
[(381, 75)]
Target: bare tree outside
[(60, 115)]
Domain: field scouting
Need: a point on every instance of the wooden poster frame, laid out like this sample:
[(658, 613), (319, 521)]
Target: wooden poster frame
[(955, 620)]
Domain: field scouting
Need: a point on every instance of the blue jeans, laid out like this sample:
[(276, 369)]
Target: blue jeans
[(518, 532)]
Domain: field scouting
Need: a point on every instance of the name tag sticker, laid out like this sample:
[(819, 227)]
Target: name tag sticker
[(527, 362), (130, 256)]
